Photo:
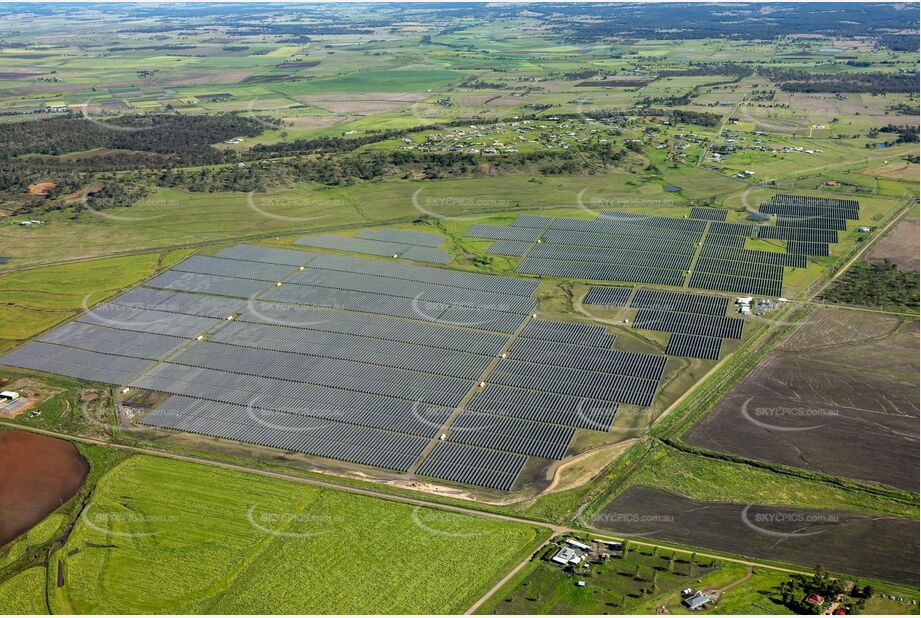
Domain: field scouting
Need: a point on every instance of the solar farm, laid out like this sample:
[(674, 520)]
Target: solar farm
[(420, 370), (363, 361), (702, 251)]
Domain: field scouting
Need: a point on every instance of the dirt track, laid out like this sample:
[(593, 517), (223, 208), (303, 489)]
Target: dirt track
[(38, 475)]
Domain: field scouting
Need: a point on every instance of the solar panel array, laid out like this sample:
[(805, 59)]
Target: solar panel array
[(795, 233), (694, 346), (608, 295), (732, 283), (710, 214), (689, 324), (808, 248), (387, 242), (358, 360), (453, 461), (684, 302), (406, 237)]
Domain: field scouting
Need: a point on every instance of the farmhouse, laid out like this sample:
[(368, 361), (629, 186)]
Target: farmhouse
[(696, 601), (567, 555)]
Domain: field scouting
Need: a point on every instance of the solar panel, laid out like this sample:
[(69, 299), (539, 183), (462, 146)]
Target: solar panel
[(233, 268), (600, 271), (683, 302), (808, 248), (174, 302), (814, 222), (730, 283), (407, 237), (752, 255), (730, 229), (318, 437), (355, 245), (611, 256), (710, 214), (653, 221), (792, 233), (608, 295), (76, 363), (269, 255), (426, 254), (557, 354), (610, 241), (740, 269), (724, 240), (689, 324), (802, 210), (694, 346), (452, 461), (808, 200), (546, 407), (427, 274), (511, 435), (144, 345), (207, 284)]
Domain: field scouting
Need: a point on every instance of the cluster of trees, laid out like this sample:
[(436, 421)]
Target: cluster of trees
[(188, 137), (792, 80), (795, 590), (883, 285), (906, 134)]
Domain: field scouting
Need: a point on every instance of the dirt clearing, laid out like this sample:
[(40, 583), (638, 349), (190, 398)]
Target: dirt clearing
[(901, 246), (38, 475)]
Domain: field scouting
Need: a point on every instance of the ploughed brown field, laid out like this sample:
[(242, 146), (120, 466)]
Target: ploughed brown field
[(840, 395), (37, 475), (850, 543)]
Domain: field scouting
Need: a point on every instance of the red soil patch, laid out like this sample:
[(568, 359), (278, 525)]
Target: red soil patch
[(41, 188), (39, 475)]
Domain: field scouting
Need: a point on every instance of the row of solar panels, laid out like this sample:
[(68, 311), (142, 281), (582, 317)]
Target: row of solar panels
[(662, 300), (387, 242)]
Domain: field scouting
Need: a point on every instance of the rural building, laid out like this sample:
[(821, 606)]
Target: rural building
[(696, 601), (567, 556), (9, 396), (814, 599), (577, 545)]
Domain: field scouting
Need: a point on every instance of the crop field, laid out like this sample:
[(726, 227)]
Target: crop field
[(886, 548), (161, 534), (817, 394)]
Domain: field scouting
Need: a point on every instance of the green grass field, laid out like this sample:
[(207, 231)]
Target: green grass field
[(37, 299), (166, 536), (24, 593)]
